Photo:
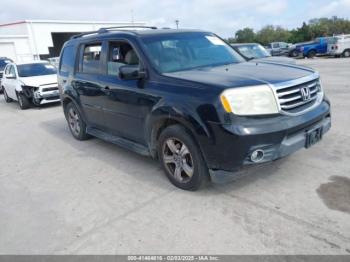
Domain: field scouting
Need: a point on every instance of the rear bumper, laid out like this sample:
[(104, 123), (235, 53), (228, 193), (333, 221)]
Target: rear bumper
[(276, 136)]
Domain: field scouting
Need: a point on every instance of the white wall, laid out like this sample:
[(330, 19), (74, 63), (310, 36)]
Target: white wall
[(33, 37), (41, 31), (16, 47)]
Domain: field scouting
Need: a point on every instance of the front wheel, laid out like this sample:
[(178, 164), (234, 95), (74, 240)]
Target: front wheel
[(76, 124), (23, 101), (311, 54), (7, 98), (182, 159)]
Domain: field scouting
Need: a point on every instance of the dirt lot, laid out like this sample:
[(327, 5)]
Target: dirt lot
[(61, 196)]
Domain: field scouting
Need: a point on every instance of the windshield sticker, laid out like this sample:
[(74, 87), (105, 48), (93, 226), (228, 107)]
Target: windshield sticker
[(215, 40)]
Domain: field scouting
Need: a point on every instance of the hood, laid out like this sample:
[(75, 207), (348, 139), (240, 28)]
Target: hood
[(277, 59), (243, 74), (39, 80)]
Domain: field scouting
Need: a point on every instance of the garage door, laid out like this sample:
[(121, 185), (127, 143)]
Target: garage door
[(8, 50)]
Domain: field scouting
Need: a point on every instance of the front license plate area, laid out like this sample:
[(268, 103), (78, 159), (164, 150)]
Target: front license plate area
[(313, 136)]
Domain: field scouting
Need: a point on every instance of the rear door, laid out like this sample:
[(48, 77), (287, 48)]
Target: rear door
[(87, 84), (10, 81)]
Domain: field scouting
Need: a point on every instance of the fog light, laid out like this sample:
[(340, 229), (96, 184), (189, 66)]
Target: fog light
[(257, 156)]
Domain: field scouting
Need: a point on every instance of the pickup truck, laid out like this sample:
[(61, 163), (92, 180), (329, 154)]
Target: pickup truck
[(313, 48), (339, 46)]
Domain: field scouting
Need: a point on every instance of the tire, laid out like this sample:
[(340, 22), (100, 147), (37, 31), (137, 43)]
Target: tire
[(182, 159), (294, 53), (23, 101), (311, 54), (346, 53), (75, 122), (7, 98)]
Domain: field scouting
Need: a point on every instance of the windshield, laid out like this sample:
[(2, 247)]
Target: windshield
[(3, 63), (253, 51), (186, 51), (37, 69)]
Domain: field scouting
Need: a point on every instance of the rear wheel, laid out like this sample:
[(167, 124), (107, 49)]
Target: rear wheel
[(182, 159), (295, 53), (23, 101), (75, 122), (7, 98), (346, 53)]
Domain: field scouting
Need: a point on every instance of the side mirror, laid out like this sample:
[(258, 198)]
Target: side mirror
[(131, 72), (11, 76)]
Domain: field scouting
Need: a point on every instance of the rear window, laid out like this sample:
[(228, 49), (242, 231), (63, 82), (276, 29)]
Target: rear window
[(67, 59)]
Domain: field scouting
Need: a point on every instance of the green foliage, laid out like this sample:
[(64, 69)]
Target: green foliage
[(314, 28)]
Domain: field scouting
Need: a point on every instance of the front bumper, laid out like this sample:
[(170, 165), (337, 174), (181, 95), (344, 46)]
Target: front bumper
[(45, 97), (276, 136)]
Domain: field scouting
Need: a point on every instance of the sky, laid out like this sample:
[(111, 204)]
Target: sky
[(223, 17)]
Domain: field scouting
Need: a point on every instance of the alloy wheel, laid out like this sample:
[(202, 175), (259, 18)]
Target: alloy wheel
[(74, 121), (178, 160), (347, 54)]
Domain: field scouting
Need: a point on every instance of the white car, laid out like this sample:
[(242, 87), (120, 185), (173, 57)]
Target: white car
[(339, 46), (30, 83)]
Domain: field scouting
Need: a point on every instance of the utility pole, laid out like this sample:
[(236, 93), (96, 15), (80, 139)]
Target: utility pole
[(177, 21)]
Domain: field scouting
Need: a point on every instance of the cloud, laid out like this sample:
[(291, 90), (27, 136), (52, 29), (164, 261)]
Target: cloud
[(220, 16)]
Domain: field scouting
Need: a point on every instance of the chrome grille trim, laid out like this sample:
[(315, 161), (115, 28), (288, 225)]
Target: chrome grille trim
[(289, 99)]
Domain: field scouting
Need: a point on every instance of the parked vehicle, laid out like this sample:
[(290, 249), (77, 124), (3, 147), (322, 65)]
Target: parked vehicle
[(257, 52), (188, 99), (30, 83), (3, 62), (278, 48), (54, 61), (339, 46), (310, 49)]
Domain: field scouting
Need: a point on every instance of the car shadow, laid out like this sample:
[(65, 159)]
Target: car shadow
[(146, 169)]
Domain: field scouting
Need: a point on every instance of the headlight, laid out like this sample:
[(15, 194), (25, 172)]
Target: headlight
[(254, 100)]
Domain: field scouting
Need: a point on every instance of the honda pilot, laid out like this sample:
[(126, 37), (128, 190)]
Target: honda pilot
[(187, 98)]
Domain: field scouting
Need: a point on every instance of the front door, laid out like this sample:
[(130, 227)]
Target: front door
[(128, 100)]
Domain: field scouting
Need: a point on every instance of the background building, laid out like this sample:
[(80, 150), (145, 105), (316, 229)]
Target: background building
[(40, 39)]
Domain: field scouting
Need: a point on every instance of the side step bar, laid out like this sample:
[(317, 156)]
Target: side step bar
[(122, 142)]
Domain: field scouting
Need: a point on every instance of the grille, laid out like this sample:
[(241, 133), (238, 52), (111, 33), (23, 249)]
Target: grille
[(46, 89), (1, 74), (291, 99)]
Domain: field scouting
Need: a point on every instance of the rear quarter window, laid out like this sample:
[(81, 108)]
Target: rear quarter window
[(67, 59)]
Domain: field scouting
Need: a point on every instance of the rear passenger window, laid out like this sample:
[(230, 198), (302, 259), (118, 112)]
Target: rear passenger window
[(67, 59), (91, 59)]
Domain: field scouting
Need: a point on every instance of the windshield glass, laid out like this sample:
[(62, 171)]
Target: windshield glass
[(253, 51), (3, 63), (37, 69), (186, 51)]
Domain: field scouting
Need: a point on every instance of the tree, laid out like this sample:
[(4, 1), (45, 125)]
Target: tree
[(245, 35)]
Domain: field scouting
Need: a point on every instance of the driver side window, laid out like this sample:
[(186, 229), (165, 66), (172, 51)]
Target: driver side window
[(119, 54)]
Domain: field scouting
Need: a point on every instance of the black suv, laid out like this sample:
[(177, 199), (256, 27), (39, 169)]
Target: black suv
[(187, 98)]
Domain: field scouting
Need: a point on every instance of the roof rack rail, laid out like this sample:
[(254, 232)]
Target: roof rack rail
[(107, 29)]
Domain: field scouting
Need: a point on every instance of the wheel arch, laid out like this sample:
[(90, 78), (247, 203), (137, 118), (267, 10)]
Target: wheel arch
[(157, 122)]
